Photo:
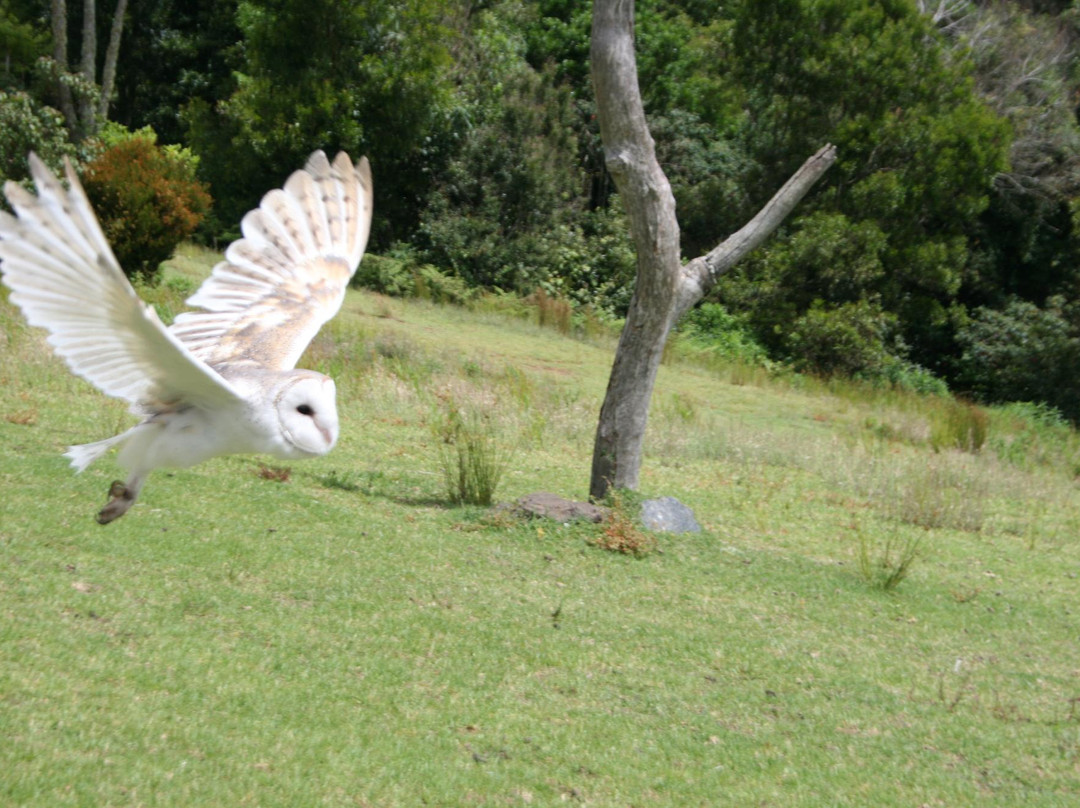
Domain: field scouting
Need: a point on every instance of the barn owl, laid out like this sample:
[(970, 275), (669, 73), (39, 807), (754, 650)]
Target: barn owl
[(220, 380)]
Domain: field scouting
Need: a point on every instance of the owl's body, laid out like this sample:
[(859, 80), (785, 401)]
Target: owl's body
[(218, 381)]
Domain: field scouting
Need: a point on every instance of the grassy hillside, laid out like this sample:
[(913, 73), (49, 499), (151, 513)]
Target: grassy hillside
[(336, 633)]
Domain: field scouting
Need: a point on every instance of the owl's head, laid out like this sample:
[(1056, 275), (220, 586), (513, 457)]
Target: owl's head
[(307, 412)]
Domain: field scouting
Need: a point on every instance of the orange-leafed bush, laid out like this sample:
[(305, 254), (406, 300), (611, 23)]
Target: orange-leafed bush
[(148, 201)]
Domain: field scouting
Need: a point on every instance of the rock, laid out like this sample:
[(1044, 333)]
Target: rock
[(668, 514), (552, 506)]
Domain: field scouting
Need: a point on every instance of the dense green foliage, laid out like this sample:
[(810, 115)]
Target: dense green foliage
[(953, 209), (1023, 353), (27, 125)]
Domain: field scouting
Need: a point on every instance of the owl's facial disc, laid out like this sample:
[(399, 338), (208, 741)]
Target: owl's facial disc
[(307, 413)]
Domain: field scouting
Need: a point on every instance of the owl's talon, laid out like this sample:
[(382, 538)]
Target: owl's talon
[(120, 500)]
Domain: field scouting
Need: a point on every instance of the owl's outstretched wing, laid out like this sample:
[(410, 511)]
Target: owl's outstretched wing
[(287, 276), (64, 276)]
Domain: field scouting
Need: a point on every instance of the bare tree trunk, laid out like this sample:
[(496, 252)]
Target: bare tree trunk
[(112, 55), (88, 66), (665, 288), (58, 12)]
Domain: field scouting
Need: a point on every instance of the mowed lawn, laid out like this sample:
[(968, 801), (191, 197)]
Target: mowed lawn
[(336, 633)]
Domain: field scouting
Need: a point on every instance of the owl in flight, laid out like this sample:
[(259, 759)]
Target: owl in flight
[(217, 381)]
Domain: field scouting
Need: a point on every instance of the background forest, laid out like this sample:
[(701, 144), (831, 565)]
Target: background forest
[(941, 249)]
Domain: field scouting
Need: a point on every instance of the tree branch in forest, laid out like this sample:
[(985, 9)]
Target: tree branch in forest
[(702, 273)]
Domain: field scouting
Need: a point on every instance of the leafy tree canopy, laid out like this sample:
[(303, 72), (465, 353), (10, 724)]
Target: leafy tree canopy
[(955, 199)]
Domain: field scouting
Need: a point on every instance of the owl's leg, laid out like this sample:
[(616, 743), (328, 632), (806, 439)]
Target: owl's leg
[(121, 497)]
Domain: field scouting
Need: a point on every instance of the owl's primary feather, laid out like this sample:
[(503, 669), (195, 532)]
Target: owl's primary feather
[(287, 276), (218, 381), (65, 278)]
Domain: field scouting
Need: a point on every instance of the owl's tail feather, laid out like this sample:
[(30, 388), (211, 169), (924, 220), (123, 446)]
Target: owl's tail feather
[(84, 454)]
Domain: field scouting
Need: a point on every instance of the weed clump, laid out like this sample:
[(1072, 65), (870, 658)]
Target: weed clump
[(277, 474), (620, 532)]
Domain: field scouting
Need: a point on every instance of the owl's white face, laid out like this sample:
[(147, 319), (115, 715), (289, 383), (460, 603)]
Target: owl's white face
[(307, 412)]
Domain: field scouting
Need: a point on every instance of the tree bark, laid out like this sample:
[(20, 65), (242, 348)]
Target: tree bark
[(112, 55), (664, 288), (58, 13), (88, 67)]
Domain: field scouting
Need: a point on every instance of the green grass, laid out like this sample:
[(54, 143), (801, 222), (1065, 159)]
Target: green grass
[(349, 638)]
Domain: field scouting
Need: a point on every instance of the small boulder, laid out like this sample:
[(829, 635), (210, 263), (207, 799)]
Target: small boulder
[(552, 506), (669, 515)]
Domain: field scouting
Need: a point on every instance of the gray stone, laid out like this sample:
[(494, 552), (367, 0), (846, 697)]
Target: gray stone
[(669, 515), (552, 506)]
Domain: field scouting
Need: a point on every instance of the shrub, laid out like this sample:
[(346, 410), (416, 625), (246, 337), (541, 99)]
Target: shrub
[(905, 375), (431, 284), (383, 274), (147, 199), (398, 275), (26, 126), (712, 329), (852, 339), (1023, 353)]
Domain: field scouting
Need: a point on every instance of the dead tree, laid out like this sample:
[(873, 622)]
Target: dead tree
[(665, 287)]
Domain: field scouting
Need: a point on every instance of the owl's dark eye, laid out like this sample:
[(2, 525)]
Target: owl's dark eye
[(304, 409)]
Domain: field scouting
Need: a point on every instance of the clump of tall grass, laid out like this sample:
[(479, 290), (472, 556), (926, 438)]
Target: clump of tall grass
[(672, 425), (958, 424), (406, 359), (594, 325), (341, 480), (885, 562), (471, 455), (552, 312)]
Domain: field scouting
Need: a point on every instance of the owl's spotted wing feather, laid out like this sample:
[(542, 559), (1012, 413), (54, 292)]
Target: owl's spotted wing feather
[(287, 276), (62, 273)]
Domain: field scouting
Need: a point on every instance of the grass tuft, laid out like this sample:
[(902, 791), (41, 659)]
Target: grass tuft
[(553, 312), (886, 561), (471, 456), (341, 480), (958, 424)]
